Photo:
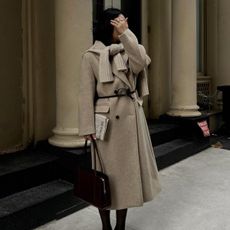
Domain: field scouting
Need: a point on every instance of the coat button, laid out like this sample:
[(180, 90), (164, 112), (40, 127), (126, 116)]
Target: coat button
[(117, 116)]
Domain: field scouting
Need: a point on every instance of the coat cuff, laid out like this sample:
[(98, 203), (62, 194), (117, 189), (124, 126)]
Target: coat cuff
[(127, 35)]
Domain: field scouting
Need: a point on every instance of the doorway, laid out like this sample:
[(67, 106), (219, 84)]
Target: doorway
[(132, 11)]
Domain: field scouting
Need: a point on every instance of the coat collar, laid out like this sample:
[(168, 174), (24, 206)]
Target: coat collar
[(99, 48)]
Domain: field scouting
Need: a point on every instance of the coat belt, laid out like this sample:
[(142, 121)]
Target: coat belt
[(121, 92)]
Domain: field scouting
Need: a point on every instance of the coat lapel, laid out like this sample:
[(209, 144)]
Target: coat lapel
[(121, 75)]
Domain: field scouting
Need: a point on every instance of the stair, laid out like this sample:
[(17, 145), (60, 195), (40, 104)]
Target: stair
[(36, 206), (37, 184), (26, 169), (175, 141), (161, 133), (176, 150), (37, 187)]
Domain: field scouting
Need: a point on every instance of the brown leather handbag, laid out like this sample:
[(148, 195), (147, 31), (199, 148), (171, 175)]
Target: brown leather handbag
[(91, 185)]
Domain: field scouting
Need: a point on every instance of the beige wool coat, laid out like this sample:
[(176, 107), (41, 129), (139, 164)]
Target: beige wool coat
[(126, 151)]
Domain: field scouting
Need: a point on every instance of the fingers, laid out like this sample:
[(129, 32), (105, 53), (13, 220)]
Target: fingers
[(121, 17), (114, 23), (94, 136), (89, 137), (120, 24), (119, 21)]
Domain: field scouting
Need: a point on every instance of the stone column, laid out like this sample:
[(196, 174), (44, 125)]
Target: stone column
[(184, 95), (73, 35), (159, 16)]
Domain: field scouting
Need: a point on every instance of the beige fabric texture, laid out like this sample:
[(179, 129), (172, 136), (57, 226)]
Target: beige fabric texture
[(126, 152)]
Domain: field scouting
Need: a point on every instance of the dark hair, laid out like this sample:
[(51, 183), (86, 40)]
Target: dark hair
[(103, 30)]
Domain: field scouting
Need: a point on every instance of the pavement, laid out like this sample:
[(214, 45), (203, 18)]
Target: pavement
[(195, 196)]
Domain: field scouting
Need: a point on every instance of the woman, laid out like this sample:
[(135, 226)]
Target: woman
[(113, 84)]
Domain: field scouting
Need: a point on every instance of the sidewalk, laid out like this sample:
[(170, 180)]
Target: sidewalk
[(195, 196)]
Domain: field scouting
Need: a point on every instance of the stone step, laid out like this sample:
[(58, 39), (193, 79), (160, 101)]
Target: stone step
[(25, 169), (38, 205), (69, 158), (176, 150), (161, 133), (189, 125)]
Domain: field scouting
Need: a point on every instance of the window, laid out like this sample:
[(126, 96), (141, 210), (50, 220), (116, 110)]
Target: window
[(112, 4)]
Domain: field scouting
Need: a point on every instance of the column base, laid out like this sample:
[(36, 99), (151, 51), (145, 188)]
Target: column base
[(184, 112), (66, 138)]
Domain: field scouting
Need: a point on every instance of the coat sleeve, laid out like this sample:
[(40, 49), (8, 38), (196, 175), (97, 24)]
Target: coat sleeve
[(86, 97), (138, 59)]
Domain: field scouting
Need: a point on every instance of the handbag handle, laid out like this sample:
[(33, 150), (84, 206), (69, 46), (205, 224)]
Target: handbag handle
[(96, 153)]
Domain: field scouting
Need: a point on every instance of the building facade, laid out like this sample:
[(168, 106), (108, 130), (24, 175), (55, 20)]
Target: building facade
[(41, 47)]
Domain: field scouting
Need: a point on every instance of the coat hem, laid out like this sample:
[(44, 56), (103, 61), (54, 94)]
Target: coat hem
[(136, 205)]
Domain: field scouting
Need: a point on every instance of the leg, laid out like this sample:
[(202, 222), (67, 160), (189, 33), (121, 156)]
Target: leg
[(105, 219), (121, 218)]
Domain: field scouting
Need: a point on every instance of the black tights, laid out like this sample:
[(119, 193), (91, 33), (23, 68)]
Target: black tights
[(121, 218), (105, 219)]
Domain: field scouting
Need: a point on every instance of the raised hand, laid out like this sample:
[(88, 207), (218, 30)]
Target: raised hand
[(120, 24)]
